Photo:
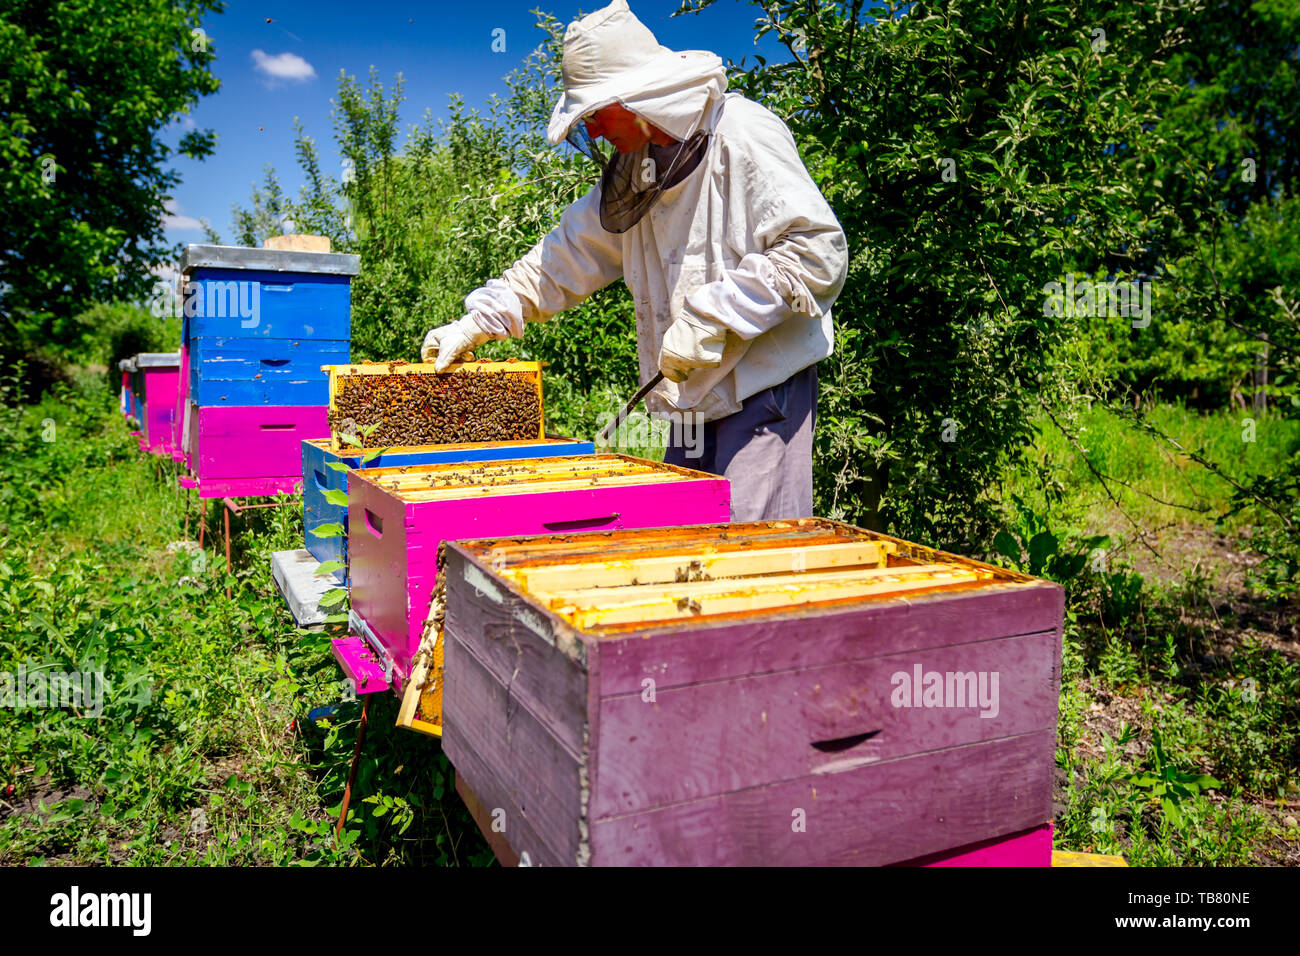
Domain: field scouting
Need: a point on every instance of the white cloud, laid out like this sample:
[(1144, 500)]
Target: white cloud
[(174, 220), (166, 272), (283, 66)]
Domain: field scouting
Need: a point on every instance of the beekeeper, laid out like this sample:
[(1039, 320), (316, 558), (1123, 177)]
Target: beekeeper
[(732, 256)]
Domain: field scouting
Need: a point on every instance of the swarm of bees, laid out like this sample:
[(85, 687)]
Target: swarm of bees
[(437, 409)]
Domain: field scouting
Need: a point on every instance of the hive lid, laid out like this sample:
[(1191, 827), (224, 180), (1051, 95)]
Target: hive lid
[(199, 256), (610, 582), (497, 479), (127, 365), (158, 359)]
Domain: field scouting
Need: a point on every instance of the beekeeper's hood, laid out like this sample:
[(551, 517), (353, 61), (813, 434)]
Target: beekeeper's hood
[(612, 57)]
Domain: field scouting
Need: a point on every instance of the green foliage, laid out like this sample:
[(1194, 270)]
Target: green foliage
[(1166, 784), (203, 752), (87, 90)]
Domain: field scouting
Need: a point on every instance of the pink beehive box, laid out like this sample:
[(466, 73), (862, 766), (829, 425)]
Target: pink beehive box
[(250, 450), (160, 377), (397, 518)]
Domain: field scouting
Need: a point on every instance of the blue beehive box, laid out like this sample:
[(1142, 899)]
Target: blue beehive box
[(318, 477), (260, 323)]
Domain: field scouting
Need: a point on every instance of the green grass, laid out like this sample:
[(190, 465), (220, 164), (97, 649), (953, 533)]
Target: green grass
[(203, 753), (1156, 484), (1183, 649)]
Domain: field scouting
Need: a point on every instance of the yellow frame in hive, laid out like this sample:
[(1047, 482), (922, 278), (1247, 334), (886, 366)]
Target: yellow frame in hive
[(690, 574), (335, 372)]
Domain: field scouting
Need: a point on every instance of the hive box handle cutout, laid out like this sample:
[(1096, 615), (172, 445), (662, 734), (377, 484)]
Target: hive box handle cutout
[(580, 523), (277, 428), (275, 362), (840, 744), (374, 523), (320, 480)]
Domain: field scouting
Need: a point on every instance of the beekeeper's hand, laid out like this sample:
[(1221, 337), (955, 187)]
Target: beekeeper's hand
[(452, 341), (691, 342)]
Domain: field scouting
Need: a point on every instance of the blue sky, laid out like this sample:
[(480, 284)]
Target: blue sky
[(272, 72)]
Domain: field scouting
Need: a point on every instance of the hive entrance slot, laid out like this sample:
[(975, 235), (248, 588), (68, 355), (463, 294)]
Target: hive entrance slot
[(580, 524), (840, 744)]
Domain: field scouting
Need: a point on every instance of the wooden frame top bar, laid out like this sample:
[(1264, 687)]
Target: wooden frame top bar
[(606, 582)]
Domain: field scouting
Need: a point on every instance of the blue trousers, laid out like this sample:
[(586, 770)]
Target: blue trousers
[(764, 450)]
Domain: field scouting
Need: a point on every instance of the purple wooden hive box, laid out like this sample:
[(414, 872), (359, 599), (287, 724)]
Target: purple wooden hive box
[(397, 518), (777, 693)]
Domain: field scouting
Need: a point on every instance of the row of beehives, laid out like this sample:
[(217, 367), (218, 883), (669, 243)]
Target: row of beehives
[(612, 691), (262, 366)]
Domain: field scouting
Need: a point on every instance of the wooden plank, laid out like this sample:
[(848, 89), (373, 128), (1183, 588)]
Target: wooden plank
[(525, 486), (294, 574), (583, 547), (698, 740), (872, 815), (1066, 858), (521, 551), (537, 657), (746, 646), (752, 598), (496, 797), (671, 592), (670, 568), (483, 817), (486, 720)]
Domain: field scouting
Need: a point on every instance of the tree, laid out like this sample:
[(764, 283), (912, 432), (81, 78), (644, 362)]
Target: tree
[(974, 152), (85, 93)]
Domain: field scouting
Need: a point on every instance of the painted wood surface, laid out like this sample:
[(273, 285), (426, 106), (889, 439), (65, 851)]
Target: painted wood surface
[(758, 723), (873, 815), (158, 422), (252, 442), (543, 790), (702, 739), (244, 487), (486, 824), (294, 574), (1031, 847), (234, 370), (318, 477), (288, 305), (180, 419), (675, 655)]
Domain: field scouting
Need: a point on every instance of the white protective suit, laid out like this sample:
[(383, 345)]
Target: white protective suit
[(746, 241)]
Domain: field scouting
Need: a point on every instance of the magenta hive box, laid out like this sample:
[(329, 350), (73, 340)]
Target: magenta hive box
[(777, 693), (160, 375), (398, 517), (251, 450), (180, 421)]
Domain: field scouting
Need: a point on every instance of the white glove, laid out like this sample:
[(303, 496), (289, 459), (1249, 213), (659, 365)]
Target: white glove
[(691, 342), (454, 340)]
